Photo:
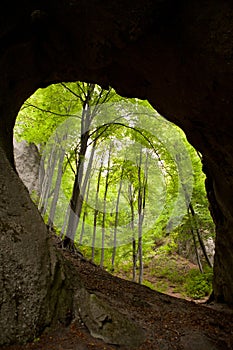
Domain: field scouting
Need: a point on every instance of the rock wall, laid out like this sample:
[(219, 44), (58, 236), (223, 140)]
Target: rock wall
[(36, 284), (25, 261)]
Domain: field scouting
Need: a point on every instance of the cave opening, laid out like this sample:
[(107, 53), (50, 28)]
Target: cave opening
[(179, 57), (141, 212)]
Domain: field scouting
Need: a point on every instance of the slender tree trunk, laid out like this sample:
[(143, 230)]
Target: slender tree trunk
[(85, 213), (140, 219), (116, 218), (96, 213), (132, 227), (194, 227), (65, 222), (47, 181), (96, 210), (194, 242), (140, 251), (142, 180), (104, 208), (41, 175), (84, 186), (202, 245), (57, 186), (88, 171)]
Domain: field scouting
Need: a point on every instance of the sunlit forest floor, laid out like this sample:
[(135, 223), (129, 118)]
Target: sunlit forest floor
[(167, 274), (167, 322)]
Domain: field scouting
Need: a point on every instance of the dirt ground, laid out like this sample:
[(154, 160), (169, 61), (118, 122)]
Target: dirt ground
[(168, 322)]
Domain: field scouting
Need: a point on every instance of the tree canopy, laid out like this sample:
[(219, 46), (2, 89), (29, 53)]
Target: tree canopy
[(116, 175)]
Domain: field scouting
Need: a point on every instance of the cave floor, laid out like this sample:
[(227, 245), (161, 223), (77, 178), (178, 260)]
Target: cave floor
[(168, 322)]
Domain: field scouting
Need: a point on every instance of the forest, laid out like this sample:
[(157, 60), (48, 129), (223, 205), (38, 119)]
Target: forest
[(121, 186)]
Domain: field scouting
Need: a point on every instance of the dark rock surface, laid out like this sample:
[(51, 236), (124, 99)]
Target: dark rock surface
[(33, 278), (164, 321), (106, 323), (197, 341), (25, 262)]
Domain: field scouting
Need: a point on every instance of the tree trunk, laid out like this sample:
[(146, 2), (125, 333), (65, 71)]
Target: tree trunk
[(142, 192), (104, 207), (76, 199), (96, 210), (85, 213), (57, 187), (194, 241), (140, 218), (65, 222), (77, 196), (116, 218), (47, 181), (84, 186), (200, 240), (132, 227)]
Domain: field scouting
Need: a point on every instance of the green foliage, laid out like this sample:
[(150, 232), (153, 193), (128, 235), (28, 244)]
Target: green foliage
[(169, 248), (171, 170), (173, 275), (199, 285), (149, 284), (161, 286), (43, 112)]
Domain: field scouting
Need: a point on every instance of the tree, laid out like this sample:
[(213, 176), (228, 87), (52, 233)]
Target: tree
[(91, 98), (96, 210), (38, 120), (57, 183), (46, 181), (142, 194), (88, 184), (77, 197), (132, 226), (107, 170), (95, 121), (117, 217)]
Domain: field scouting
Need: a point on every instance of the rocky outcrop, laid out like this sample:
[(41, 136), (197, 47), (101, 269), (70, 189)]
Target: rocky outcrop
[(187, 250), (178, 54), (36, 288), (27, 162), (105, 322), (24, 270)]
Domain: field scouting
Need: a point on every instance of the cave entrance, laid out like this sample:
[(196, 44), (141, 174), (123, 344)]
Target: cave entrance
[(120, 183)]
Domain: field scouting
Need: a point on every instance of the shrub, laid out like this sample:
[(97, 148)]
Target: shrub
[(199, 285)]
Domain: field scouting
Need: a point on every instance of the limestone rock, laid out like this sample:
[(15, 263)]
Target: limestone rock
[(24, 269), (31, 273), (107, 323), (27, 161)]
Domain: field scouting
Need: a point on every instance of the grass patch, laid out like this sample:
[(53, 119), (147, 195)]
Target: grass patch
[(162, 286), (149, 284)]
